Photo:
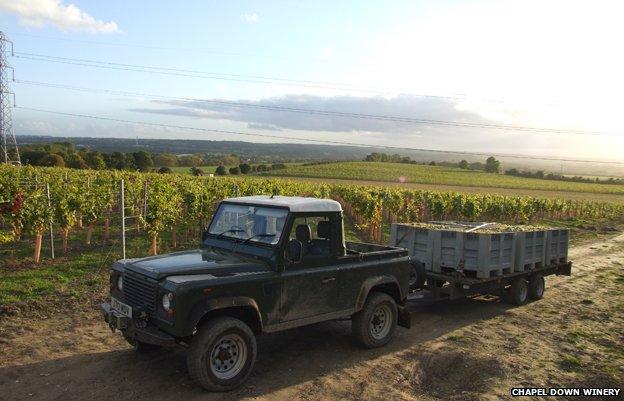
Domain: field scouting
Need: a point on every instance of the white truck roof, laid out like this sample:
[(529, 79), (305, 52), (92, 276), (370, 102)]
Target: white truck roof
[(293, 203)]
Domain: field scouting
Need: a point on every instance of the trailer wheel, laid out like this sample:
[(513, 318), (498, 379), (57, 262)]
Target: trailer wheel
[(436, 283), (518, 292), (417, 275), (537, 285), (374, 325)]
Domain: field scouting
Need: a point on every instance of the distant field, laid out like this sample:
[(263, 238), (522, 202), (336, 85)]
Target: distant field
[(435, 175), (187, 170)]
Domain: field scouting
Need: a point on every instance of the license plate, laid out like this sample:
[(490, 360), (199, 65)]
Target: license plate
[(121, 307)]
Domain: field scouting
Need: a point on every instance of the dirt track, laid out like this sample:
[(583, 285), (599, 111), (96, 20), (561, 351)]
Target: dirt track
[(470, 349)]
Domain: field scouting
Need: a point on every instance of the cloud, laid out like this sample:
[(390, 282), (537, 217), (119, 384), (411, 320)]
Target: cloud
[(250, 17), (268, 127), (258, 115), (39, 13)]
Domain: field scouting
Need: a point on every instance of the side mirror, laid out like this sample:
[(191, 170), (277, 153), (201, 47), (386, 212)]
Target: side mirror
[(204, 235), (294, 253)]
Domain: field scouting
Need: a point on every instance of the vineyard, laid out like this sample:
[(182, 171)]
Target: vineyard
[(35, 199), (411, 173)]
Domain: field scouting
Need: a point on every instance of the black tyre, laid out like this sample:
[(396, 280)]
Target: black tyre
[(537, 285), (222, 354), (374, 325), (142, 347), (417, 275), (518, 292)]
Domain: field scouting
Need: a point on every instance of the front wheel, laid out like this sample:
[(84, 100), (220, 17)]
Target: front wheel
[(222, 354), (374, 325)]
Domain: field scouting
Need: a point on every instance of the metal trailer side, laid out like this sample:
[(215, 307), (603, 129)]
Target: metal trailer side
[(460, 263)]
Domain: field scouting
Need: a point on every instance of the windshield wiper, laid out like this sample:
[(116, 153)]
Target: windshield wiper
[(261, 235), (231, 230)]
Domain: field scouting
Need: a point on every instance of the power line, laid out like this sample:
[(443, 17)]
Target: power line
[(202, 74), (328, 113), (190, 71), (177, 49), (322, 141), (256, 79), (247, 78)]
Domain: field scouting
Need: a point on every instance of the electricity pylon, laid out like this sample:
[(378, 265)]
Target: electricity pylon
[(10, 152)]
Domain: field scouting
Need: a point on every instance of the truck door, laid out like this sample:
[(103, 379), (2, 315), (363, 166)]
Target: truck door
[(310, 288)]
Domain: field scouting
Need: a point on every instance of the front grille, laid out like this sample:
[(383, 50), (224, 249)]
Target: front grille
[(139, 291)]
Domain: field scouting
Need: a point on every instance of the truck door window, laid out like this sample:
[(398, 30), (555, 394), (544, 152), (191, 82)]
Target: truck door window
[(314, 234)]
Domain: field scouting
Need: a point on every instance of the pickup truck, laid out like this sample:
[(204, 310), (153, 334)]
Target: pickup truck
[(267, 263)]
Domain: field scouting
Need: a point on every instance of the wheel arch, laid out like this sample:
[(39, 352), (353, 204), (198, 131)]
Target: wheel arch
[(242, 308), (386, 284)]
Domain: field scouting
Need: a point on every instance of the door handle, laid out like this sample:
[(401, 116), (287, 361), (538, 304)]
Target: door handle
[(328, 280)]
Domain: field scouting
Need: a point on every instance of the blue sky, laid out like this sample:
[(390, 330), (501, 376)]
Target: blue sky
[(530, 63)]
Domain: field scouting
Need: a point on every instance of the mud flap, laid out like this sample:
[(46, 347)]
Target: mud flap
[(404, 318), (565, 269)]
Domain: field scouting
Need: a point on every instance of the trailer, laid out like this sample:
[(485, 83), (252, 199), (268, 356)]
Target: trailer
[(452, 260)]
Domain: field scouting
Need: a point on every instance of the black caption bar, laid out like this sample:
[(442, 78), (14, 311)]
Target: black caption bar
[(565, 391)]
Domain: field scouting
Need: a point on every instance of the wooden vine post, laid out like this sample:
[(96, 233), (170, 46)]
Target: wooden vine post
[(51, 226), (37, 215)]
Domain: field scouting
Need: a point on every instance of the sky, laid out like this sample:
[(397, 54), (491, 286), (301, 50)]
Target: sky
[(536, 64)]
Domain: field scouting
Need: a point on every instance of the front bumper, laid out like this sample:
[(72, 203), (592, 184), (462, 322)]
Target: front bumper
[(148, 334)]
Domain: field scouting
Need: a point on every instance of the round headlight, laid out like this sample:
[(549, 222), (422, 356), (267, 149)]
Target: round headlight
[(120, 283), (166, 301)]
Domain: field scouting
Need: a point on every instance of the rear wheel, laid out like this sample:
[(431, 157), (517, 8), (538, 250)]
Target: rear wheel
[(222, 354), (537, 285), (417, 275), (518, 292), (374, 325)]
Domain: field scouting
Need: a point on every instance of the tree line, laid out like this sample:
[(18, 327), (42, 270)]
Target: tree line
[(491, 165), (65, 154), (243, 168), (540, 174)]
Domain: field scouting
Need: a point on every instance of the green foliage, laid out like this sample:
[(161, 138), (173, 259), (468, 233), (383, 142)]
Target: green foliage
[(95, 160), (76, 161), (188, 201), (191, 161), (165, 160), (143, 160), (163, 206), (36, 213), (492, 165), (221, 170), (196, 171), (52, 160), (244, 168)]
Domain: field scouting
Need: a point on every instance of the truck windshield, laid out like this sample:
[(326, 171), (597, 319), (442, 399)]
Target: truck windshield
[(250, 223)]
